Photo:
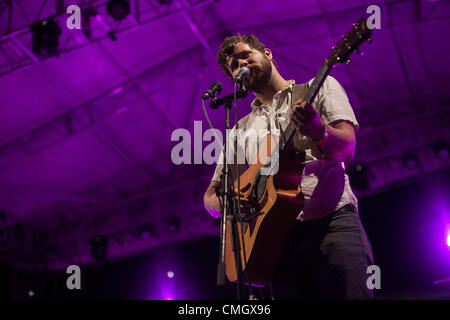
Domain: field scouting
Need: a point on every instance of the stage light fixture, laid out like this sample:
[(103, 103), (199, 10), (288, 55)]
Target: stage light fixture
[(146, 232), (99, 247), (46, 37), (441, 150), (118, 9), (409, 160)]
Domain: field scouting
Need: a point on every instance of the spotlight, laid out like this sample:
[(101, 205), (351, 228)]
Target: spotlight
[(170, 274), (118, 9), (409, 160), (358, 176), (46, 37), (99, 247), (448, 240)]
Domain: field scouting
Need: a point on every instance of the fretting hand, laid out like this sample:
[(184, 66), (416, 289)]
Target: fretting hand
[(307, 120)]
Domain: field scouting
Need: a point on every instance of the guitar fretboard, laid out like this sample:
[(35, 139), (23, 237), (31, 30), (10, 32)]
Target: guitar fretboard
[(310, 96)]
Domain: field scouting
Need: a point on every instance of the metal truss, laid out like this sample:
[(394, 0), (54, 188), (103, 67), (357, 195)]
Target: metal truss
[(99, 108), (23, 245), (16, 40), (381, 150)]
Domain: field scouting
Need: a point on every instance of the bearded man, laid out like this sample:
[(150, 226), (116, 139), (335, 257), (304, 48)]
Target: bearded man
[(327, 252)]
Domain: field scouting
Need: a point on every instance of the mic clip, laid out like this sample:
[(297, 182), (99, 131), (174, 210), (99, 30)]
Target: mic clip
[(215, 88)]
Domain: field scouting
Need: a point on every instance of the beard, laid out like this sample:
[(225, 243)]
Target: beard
[(259, 75)]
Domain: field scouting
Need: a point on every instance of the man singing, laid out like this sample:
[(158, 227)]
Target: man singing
[(327, 253)]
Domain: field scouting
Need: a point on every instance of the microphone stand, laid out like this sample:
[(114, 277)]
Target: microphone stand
[(228, 207)]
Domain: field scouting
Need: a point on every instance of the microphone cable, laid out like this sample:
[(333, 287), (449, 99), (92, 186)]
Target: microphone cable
[(210, 124)]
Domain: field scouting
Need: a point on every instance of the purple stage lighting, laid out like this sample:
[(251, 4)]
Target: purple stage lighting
[(170, 274), (448, 239)]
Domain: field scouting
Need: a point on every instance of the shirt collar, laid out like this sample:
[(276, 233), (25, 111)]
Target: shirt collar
[(257, 104)]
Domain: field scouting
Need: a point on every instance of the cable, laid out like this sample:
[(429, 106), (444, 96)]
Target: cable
[(210, 124)]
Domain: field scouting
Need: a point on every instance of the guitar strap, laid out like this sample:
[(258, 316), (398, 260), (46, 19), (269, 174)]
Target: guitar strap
[(299, 92)]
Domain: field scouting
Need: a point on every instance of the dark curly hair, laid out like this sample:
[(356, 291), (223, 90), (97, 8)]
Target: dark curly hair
[(227, 48)]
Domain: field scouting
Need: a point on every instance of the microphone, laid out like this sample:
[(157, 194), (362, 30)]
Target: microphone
[(242, 74), (214, 89)]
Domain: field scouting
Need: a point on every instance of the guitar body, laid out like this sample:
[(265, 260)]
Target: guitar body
[(280, 198)]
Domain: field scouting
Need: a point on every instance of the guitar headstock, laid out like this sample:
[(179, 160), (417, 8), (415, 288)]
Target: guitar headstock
[(349, 43)]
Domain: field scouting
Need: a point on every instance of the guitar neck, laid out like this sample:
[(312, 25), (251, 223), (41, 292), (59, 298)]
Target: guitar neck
[(309, 98)]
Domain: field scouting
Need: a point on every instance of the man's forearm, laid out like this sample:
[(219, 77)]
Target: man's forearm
[(338, 141), (212, 204)]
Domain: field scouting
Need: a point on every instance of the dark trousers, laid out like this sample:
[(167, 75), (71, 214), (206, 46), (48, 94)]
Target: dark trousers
[(326, 258)]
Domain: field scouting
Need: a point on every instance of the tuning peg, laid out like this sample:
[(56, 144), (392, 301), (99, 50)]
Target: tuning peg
[(348, 61)]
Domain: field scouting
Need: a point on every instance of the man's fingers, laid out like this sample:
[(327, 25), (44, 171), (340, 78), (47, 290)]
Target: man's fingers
[(303, 107), (298, 122), (303, 115), (248, 202), (299, 116), (246, 205), (296, 114), (301, 112), (298, 119)]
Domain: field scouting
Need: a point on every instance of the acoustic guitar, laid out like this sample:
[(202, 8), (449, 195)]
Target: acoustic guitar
[(262, 233)]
